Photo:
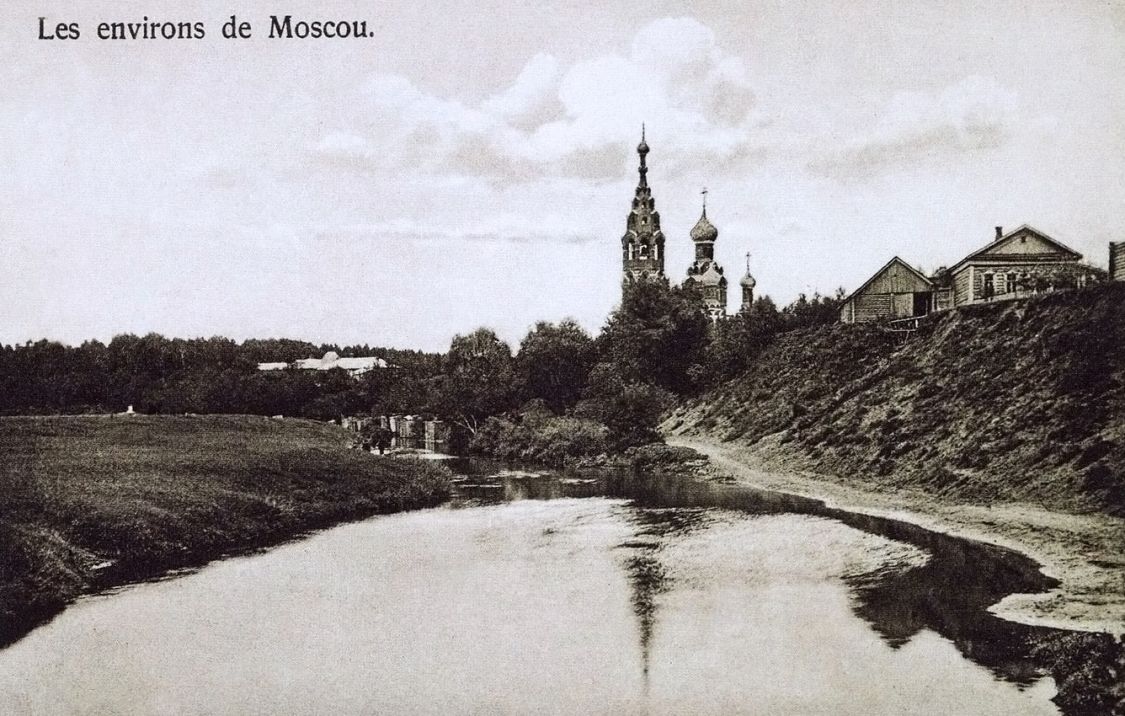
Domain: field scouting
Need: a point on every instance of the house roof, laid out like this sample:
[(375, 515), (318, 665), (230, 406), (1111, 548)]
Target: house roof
[(1008, 237), (886, 266), (359, 363)]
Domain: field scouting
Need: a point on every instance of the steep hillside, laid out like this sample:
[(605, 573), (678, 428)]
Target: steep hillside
[(1020, 400)]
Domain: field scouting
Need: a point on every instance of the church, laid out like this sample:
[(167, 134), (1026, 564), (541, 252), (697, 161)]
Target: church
[(642, 250)]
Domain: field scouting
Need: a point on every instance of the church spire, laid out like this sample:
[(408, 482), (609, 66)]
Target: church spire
[(642, 150), (748, 283), (642, 246)]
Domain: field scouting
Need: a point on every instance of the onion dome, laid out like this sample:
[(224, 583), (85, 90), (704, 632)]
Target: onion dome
[(642, 148), (704, 230), (748, 281)]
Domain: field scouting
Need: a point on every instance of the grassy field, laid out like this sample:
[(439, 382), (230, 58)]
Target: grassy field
[(90, 502)]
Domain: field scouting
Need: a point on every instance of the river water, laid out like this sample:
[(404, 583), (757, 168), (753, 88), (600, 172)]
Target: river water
[(545, 594)]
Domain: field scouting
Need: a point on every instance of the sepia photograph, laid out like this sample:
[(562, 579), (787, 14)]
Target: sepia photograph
[(486, 357)]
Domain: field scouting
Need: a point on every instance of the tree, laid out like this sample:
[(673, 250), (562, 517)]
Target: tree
[(658, 337), (740, 338), (819, 311), (477, 380), (632, 414), (554, 363)]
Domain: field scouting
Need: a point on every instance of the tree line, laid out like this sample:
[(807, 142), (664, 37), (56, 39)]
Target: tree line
[(656, 347)]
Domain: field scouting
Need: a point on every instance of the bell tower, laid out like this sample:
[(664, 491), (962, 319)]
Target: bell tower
[(642, 246)]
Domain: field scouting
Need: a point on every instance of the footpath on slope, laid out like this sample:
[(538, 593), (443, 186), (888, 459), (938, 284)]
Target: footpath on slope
[(1086, 553)]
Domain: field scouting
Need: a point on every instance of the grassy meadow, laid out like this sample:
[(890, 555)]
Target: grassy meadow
[(93, 501)]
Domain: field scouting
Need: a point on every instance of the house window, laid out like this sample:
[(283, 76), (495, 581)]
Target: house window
[(1011, 282), (989, 289)]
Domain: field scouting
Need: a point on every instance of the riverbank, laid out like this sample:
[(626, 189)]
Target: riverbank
[(91, 502), (1082, 551)]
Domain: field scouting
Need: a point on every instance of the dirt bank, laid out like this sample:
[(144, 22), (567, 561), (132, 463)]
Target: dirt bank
[(1017, 402), (1083, 551)]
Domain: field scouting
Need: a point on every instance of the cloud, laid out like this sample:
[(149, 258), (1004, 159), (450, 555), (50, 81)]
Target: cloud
[(503, 227), (581, 121), (974, 115), (532, 100)]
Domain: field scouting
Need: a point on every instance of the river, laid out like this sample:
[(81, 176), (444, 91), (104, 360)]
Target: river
[(540, 593)]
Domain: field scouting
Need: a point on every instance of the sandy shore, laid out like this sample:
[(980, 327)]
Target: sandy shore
[(1086, 553)]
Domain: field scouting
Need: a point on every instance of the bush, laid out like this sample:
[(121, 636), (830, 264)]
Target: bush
[(549, 440), (633, 415), (501, 438), (660, 457), (557, 440)]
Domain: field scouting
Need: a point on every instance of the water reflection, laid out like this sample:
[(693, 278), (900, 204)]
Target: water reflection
[(948, 594), (648, 578), (483, 482), (654, 596)]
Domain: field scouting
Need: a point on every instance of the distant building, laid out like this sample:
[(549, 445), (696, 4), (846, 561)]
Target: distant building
[(1015, 264), (1022, 262), (748, 283), (642, 246), (898, 290), (330, 361), (705, 275), (1117, 261), (437, 436)]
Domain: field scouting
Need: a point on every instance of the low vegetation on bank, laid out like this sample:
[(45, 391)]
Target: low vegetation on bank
[(89, 502), (1021, 400), (578, 443)]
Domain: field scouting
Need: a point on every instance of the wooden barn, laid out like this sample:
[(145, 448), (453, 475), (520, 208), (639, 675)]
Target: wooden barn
[(897, 290)]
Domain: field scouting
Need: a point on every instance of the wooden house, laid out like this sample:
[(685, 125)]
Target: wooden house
[(1117, 261), (1015, 264), (898, 290)]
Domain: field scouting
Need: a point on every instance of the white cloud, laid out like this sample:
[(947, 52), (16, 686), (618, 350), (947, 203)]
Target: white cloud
[(581, 121), (973, 115), (532, 99)]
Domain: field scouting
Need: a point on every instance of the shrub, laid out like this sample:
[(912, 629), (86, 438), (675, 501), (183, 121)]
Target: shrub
[(549, 440), (664, 457), (500, 438)]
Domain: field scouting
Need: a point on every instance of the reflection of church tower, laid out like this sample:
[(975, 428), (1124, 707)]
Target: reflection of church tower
[(748, 283), (642, 246), (705, 275)]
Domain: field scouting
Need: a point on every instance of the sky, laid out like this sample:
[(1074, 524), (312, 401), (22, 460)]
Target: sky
[(472, 163)]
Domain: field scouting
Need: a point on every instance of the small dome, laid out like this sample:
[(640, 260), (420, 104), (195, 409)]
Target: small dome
[(642, 148), (704, 230), (748, 281)]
